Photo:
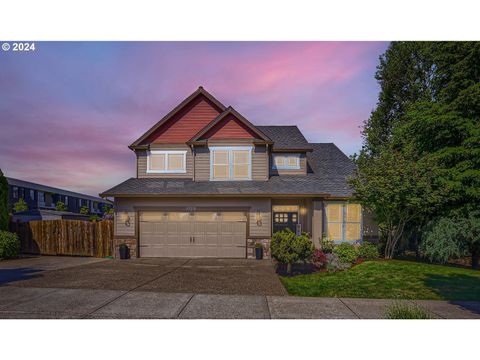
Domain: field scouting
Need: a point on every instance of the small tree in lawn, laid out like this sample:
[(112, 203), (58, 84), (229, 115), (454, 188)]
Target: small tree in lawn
[(84, 210), (397, 189), (4, 215), (287, 248), (20, 205), (60, 206)]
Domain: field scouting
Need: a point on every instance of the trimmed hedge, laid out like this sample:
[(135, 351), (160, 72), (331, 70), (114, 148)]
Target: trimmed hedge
[(347, 253), (9, 245), (368, 251)]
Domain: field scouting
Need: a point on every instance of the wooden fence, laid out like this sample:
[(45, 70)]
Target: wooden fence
[(65, 237)]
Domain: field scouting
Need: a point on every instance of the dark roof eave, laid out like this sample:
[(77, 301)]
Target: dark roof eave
[(222, 195), (205, 142)]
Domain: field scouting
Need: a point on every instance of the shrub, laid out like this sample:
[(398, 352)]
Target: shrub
[(94, 217), (334, 263), (368, 251), (319, 259), (400, 310), (9, 245), (258, 245), (20, 205), (347, 253), (60, 206), (287, 248), (327, 245), (84, 210)]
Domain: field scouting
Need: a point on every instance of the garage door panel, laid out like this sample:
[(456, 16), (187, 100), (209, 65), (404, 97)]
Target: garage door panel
[(215, 234)]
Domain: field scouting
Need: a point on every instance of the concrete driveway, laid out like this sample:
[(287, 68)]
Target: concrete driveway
[(210, 276)]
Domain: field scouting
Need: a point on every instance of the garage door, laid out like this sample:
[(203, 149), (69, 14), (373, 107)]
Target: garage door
[(199, 234)]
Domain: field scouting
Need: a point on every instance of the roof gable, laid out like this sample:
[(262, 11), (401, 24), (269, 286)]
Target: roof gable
[(185, 120), (230, 124)]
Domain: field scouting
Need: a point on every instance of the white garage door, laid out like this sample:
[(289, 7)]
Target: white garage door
[(199, 234)]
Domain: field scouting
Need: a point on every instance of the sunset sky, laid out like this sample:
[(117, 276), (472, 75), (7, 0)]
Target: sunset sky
[(68, 111)]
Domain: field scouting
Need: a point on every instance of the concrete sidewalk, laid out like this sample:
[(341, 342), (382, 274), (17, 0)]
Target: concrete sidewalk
[(55, 303)]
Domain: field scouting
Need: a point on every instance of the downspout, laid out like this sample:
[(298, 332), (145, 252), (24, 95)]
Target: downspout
[(193, 156)]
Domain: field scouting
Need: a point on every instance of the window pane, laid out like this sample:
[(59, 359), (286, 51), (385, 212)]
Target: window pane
[(178, 216), (353, 213), (334, 212), (334, 231), (240, 157), (352, 231), (233, 216), (220, 157), (220, 171), (157, 162), (279, 160), (175, 162), (240, 171), (292, 161)]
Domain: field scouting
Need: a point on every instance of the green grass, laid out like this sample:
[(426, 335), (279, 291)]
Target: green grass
[(393, 279)]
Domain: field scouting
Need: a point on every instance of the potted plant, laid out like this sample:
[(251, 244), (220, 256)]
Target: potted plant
[(124, 251), (258, 251)]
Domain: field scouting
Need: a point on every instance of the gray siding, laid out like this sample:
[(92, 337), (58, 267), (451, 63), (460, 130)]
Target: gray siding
[(142, 162)]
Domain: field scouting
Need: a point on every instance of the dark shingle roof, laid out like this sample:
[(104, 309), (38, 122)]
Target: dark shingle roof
[(327, 158), (330, 169), (286, 137)]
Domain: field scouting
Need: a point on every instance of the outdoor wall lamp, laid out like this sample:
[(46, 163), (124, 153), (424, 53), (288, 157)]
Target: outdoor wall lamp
[(258, 218), (303, 210), (125, 218)]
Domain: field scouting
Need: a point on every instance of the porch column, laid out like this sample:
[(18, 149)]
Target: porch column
[(317, 222)]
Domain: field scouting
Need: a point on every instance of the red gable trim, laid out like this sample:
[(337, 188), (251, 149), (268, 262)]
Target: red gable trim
[(217, 105), (229, 128), (230, 124), (186, 123)]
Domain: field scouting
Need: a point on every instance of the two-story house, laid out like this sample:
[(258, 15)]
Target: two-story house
[(209, 183)]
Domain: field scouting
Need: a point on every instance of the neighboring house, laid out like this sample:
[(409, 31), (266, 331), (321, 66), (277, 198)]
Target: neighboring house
[(211, 184), (43, 214), (45, 197)]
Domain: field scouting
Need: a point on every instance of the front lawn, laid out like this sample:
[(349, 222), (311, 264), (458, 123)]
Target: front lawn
[(390, 279)]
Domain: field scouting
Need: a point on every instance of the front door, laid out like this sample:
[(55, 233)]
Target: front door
[(285, 219)]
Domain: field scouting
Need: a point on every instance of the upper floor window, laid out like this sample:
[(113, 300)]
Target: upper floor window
[(164, 162), (15, 192), (286, 161), (66, 200), (344, 221), (231, 163), (32, 194)]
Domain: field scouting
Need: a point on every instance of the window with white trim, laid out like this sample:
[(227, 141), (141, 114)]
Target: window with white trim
[(230, 163), (343, 221), (166, 161), (286, 161)]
